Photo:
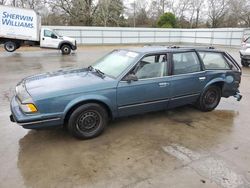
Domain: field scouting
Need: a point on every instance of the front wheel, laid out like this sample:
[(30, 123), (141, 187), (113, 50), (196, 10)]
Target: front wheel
[(209, 99), (66, 49), (88, 121), (10, 46)]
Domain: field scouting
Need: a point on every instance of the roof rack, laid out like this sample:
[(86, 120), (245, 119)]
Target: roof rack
[(181, 47), (193, 47)]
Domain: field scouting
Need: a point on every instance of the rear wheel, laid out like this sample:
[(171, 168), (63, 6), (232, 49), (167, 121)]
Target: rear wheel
[(209, 99), (88, 121), (10, 46), (66, 49)]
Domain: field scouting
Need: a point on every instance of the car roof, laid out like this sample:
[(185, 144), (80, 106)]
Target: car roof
[(164, 49)]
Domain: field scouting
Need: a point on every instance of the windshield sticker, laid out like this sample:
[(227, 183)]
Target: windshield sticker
[(132, 54)]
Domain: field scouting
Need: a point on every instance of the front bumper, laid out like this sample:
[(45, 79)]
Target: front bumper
[(32, 121), (245, 54), (74, 47)]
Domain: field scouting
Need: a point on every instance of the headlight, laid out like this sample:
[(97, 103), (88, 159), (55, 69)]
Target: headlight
[(28, 108), (22, 94), (24, 99)]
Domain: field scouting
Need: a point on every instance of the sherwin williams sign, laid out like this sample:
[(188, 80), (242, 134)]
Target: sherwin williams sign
[(19, 23), (17, 20)]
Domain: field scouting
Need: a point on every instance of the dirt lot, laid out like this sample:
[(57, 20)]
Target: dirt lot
[(177, 148)]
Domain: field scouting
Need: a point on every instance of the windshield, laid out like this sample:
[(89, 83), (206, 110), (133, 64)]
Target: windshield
[(56, 33), (115, 62)]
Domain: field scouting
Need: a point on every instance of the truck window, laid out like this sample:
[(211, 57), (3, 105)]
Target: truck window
[(213, 60), (48, 33), (186, 62)]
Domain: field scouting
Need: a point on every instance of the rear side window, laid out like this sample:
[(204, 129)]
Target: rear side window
[(214, 60), (186, 62)]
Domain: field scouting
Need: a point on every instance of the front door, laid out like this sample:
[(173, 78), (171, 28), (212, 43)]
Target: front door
[(49, 39), (150, 92)]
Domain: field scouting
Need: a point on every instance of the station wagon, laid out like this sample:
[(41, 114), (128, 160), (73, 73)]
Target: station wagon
[(125, 82)]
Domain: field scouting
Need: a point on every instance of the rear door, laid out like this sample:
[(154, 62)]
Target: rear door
[(188, 78)]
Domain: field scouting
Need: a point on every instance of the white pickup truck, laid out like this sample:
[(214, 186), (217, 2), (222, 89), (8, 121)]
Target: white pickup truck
[(19, 26)]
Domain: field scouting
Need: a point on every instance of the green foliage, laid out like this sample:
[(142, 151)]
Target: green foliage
[(167, 20)]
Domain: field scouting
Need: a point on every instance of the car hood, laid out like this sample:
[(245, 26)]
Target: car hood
[(68, 39), (65, 82)]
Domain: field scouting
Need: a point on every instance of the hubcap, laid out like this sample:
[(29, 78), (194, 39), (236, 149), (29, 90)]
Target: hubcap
[(10, 47), (88, 121), (211, 97)]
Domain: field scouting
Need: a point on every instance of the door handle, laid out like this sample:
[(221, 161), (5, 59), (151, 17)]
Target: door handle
[(43, 38), (163, 84), (202, 78)]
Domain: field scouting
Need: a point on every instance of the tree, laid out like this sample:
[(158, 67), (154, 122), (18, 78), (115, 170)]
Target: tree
[(3, 2), (239, 13), (167, 20), (216, 11), (142, 18), (196, 6), (109, 13), (77, 12)]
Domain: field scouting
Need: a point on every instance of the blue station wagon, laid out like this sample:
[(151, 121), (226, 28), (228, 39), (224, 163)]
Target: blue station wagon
[(123, 83)]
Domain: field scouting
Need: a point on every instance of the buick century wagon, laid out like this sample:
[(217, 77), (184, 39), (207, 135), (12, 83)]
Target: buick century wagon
[(123, 83)]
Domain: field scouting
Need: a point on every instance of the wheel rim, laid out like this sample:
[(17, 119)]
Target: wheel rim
[(10, 47), (66, 50), (88, 122), (211, 98)]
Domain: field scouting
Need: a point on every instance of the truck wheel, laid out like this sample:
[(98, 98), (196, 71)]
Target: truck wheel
[(18, 46), (10, 46), (88, 121), (209, 99), (66, 49)]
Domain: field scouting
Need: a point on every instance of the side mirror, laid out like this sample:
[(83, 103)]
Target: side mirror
[(130, 77), (53, 36)]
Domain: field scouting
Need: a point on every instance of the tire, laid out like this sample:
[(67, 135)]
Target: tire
[(10, 46), (88, 121), (18, 46), (209, 99), (66, 49), (243, 63)]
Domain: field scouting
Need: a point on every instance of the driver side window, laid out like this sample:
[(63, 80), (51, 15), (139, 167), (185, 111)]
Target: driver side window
[(152, 66), (48, 33)]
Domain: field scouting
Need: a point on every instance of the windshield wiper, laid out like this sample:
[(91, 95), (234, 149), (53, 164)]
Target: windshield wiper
[(99, 73)]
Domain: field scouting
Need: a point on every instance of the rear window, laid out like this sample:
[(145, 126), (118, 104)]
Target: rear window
[(213, 60)]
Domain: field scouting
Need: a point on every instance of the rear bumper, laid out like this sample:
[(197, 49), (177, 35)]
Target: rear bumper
[(36, 121)]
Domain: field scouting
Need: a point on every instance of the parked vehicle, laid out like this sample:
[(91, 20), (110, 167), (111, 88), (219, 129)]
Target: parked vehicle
[(124, 83), (19, 26), (245, 52)]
